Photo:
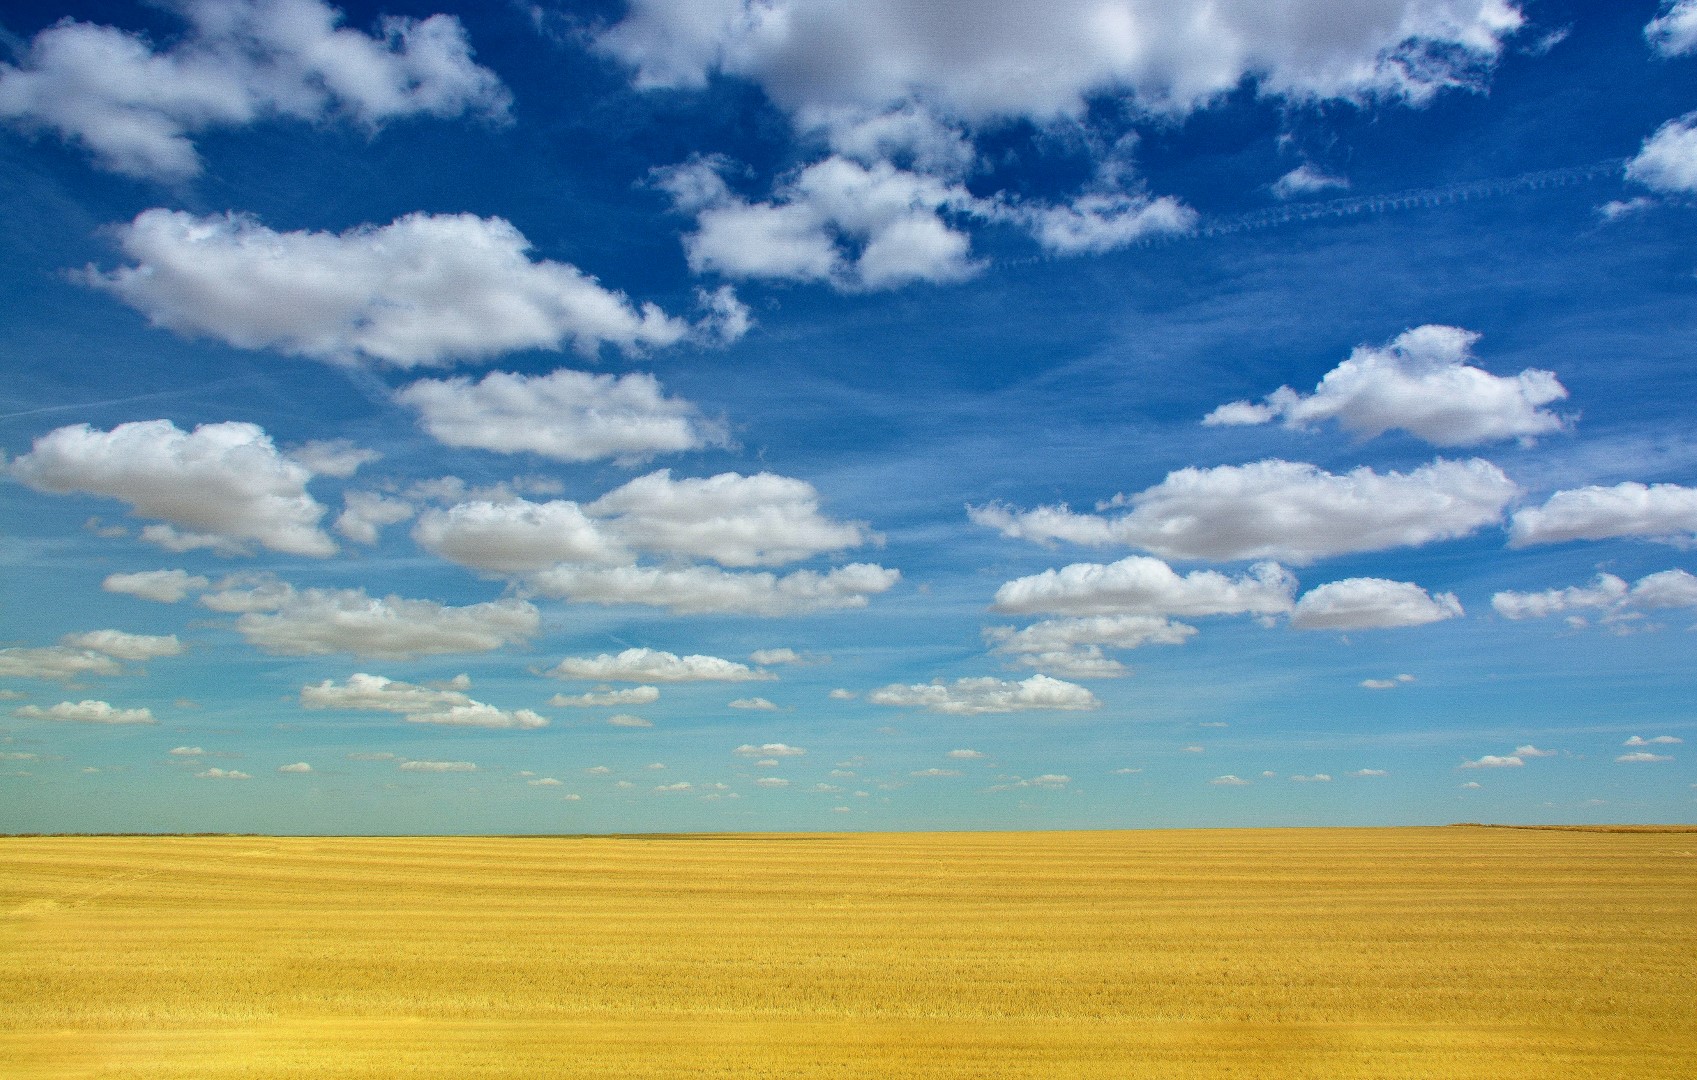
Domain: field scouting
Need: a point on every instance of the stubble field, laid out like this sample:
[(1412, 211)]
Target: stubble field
[(1418, 953)]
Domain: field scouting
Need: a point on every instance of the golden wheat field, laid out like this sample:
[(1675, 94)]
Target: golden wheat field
[(1449, 952)]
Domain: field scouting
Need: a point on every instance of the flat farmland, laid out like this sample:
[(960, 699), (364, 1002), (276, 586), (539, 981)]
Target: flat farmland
[(1418, 953)]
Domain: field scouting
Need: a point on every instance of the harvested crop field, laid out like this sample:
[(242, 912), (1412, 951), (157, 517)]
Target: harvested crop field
[(1419, 953)]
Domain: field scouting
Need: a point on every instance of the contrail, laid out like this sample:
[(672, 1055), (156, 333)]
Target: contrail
[(1414, 199), (1355, 205), (156, 396)]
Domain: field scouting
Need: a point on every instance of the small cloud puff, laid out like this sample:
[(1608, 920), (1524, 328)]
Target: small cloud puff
[(1371, 603), (224, 774), (1643, 756), (769, 750), (626, 720), (771, 657), (1306, 180), (1229, 780), (1387, 684), (1047, 780), (1492, 761), (652, 665), (297, 767), (636, 695), (1659, 740), (758, 704)]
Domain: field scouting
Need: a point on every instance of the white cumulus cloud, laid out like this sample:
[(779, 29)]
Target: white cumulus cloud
[(419, 704), (91, 652), (855, 225), (316, 622), (160, 586), (225, 484), (1666, 513), (653, 665), (295, 767), (635, 695), (1673, 32), (1494, 761), (769, 750), (735, 520), (125, 646), (1667, 162), (437, 766), (1608, 596), (1144, 586), (333, 457), (756, 704), (1643, 756), (517, 536), (1018, 59), (1306, 180), (708, 589), (375, 693), (136, 107), (56, 662), (565, 415), (425, 290), (1277, 509), (85, 712), (1099, 221), (481, 715), (973, 696), (1422, 382), (365, 513), (1073, 647), (1370, 603)]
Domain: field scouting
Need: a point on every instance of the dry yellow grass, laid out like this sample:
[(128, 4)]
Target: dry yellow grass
[(1417, 953)]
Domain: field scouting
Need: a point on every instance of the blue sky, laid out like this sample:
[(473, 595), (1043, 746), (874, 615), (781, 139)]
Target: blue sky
[(811, 415)]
